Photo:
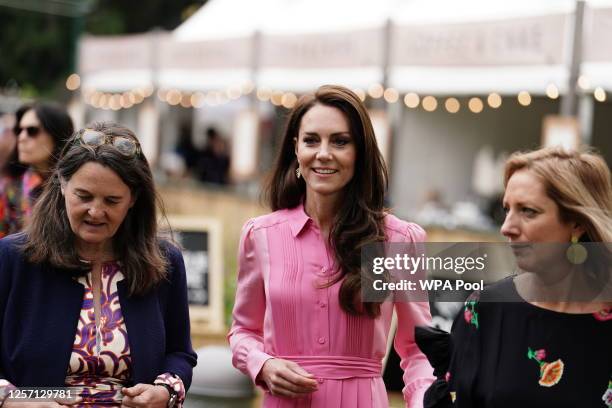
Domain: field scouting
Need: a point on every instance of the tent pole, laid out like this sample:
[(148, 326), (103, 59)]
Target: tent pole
[(569, 103)]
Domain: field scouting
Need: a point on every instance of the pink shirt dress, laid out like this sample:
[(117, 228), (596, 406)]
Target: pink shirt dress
[(282, 311)]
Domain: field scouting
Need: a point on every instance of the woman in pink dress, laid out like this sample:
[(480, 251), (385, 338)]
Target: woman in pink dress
[(300, 329)]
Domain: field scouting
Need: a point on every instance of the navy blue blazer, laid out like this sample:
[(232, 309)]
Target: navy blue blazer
[(39, 311)]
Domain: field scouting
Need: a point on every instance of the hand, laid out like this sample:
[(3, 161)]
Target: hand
[(287, 379), (145, 395)]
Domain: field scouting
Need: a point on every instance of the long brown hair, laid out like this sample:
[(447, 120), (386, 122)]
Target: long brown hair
[(360, 219), (135, 244)]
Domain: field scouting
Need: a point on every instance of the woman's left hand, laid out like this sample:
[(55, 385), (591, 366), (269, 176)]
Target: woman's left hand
[(145, 395)]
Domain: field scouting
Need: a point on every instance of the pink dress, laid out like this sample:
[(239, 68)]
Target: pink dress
[(282, 311)]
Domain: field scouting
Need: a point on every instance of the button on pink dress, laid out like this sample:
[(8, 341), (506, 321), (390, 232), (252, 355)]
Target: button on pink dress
[(282, 311)]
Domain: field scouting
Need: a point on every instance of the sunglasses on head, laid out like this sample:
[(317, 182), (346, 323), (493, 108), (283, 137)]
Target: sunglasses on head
[(31, 131), (94, 138)]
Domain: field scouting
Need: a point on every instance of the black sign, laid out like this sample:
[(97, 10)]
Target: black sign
[(197, 260)]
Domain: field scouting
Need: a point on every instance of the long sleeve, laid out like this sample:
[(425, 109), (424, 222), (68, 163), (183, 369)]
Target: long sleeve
[(418, 373), (5, 386), (180, 357), (246, 334)]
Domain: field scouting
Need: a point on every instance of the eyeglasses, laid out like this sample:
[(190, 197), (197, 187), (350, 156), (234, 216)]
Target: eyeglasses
[(125, 145), (31, 131)]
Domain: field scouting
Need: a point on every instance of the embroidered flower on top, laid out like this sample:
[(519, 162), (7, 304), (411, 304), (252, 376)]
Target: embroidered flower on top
[(469, 313), (603, 315), (607, 397), (550, 373)]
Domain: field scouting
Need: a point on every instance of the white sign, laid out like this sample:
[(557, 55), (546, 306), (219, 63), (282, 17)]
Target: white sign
[(524, 41), (323, 50)]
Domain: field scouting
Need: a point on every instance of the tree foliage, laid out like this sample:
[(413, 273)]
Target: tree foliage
[(37, 47)]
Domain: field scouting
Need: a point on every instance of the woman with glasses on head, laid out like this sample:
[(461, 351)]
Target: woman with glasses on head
[(541, 338), (90, 296), (41, 130), (301, 330)]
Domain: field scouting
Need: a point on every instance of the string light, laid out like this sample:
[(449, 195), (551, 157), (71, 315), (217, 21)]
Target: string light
[(73, 82), (552, 91), (173, 97), (391, 95), (494, 100), (233, 92), (276, 98), (376, 91), (360, 93), (524, 98), (247, 87), (430, 103), (584, 82), (115, 102), (452, 105), (102, 102), (288, 100), (600, 94), (475, 105), (197, 99), (264, 94), (411, 100), (186, 101)]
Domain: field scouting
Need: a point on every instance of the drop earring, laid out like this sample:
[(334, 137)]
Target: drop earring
[(298, 173), (576, 253)]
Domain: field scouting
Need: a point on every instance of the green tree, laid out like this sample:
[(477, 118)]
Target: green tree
[(38, 37)]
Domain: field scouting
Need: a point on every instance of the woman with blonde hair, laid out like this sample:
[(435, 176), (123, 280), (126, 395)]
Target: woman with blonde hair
[(540, 338)]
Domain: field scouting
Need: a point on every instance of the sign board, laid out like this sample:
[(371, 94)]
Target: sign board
[(563, 131), (520, 41), (597, 35), (360, 48), (201, 242)]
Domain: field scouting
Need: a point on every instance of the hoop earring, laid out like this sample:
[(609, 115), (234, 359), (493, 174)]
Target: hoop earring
[(298, 173), (576, 253)]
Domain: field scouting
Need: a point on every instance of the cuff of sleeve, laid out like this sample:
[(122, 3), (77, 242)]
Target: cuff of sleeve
[(255, 362), (5, 387), (414, 393), (416, 399), (173, 381)]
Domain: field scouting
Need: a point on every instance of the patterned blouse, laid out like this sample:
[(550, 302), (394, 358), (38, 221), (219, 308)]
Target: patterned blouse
[(17, 197), (511, 353), (100, 364)]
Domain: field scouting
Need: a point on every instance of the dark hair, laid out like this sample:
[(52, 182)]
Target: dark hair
[(360, 219), (135, 244), (12, 167), (54, 119)]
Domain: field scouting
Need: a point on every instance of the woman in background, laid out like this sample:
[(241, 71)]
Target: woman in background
[(42, 130), (10, 176)]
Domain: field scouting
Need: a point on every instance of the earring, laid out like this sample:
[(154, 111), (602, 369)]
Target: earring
[(298, 173), (576, 253)]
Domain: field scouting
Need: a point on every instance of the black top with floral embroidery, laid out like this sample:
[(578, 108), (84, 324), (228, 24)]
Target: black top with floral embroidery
[(515, 354)]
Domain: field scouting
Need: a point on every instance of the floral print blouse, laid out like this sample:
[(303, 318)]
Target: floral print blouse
[(17, 197), (100, 364), (512, 354)]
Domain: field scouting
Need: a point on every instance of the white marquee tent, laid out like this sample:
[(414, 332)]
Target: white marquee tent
[(440, 47)]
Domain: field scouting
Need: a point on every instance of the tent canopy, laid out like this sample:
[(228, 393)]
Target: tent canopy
[(443, 46)]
